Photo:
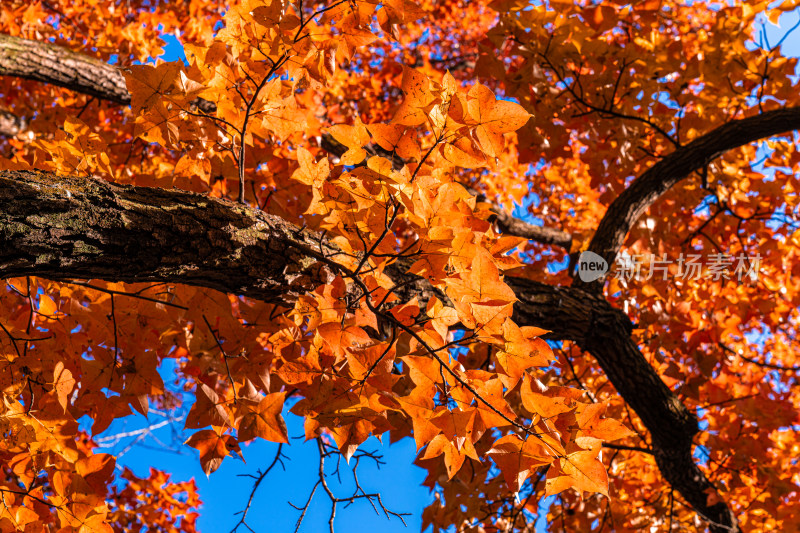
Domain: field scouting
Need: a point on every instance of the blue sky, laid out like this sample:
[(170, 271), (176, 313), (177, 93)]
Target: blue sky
[(224, 493)]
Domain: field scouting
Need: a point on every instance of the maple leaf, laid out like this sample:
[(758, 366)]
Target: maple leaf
[(580, 470), (517, 459), (310, 172), (47, 306), (208, 410), (265, 420), (373, 362), (416, 87), (458, 426), (546, 406), (282, 117), (403, 11), (494, 118), (463, 152), (606, 429), (148, 84), (340, 339), (406, 313), (522, 350), (419, 407), (63, 383), (395, 138), (303, 369), (354, 137), (453, 458), (601, 18), (269, 14), (96, 470), (353, 26), (481, 285), (213, 446)]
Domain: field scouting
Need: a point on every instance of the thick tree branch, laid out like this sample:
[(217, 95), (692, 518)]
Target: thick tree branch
[(56, 65), (511, 225), (678, 165), (63, 228), (572, 313)]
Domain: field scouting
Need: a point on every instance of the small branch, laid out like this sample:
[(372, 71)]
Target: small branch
[(325, 450), (628, 448), (279, 457), (225, 357)]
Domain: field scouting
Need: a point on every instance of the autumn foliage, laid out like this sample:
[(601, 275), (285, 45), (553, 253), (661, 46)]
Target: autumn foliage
[(393, 140)]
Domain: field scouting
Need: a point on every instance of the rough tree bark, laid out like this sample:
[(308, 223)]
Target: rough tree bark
[(56, 65), (64, 228), (67, 227)]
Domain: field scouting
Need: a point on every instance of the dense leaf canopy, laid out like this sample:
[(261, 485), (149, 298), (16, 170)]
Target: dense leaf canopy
[(370, 214)]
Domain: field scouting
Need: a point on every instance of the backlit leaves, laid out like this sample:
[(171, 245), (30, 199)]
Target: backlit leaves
[(441, 111), (213, 446), (518, 459), (265, 420)]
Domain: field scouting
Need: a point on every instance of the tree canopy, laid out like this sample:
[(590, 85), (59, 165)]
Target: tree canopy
[(381, 217)]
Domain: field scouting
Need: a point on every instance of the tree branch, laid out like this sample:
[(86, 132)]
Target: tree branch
[(678, 165), (66, 227), (511, 225), (586, 318), (56, 65)]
